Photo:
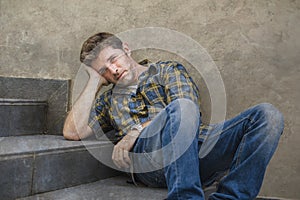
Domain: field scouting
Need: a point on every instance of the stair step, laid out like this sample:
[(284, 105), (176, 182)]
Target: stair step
[(115, 188), (53, 91), (42, 163), (22, 117), (111, 188)]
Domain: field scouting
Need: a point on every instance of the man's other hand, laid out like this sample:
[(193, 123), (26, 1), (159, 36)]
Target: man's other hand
[(120, 155)]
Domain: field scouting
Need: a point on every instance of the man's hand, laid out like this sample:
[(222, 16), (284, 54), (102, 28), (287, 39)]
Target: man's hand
[(93, 74), (120, 155)]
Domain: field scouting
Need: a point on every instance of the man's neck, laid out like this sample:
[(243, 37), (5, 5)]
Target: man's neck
[(140, 69)]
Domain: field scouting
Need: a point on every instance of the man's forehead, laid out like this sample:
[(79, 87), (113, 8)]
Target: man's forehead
[(107, 52)]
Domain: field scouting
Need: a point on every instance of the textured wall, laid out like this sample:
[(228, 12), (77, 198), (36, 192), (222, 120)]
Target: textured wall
[(255, 45)]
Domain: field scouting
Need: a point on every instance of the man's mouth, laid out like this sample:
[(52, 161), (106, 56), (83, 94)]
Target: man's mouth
[(121, 75)]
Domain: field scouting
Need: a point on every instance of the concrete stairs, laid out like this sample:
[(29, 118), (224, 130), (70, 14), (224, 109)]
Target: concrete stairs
[(34, 156), (42, 163), (108, 189), (22, 117), (112, 189)]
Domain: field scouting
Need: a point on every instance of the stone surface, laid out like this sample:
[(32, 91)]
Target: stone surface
[(16, 177), (22, 117), (54, 92), (115, 188), (255, 45), (55, 171), (35, 164), (41, 143)]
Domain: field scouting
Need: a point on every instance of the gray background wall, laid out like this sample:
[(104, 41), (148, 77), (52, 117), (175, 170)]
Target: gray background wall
[(255, 45)]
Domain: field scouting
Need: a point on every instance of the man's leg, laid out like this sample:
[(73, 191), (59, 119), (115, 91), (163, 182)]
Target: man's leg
[(169, 145), (245, 146)]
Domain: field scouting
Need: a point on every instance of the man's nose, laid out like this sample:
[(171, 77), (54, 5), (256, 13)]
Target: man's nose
[(113, 68)]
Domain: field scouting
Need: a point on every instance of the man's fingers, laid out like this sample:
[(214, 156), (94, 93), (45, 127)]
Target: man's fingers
[(115, 157), (126, 158), (120, 157)]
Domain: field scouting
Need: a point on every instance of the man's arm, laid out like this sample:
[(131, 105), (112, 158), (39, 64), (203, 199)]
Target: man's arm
[(179, 84), (76, 124)]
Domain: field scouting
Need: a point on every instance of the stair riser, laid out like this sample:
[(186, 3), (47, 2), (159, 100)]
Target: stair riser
[(15, 178), (23, 176), (54, 92), (22, 119)]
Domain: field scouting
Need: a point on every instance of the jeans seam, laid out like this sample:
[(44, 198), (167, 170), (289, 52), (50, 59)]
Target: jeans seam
[(251, 121), (173, 147), (229, 127), (243, 139), (236, 123), (177, 192), (239, 152), (151, 160)]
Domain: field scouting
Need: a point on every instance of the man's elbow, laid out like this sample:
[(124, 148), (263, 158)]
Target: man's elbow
[(70, 135)]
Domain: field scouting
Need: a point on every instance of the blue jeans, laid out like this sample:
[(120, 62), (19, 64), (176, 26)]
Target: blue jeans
[(171, 153)]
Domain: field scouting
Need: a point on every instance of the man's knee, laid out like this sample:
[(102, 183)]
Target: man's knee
[(186, 106), (271, 116), (187, 110)]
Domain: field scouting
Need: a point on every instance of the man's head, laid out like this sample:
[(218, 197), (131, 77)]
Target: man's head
[(96, 43), (110, 57)]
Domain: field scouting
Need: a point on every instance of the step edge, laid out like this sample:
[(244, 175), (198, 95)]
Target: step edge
[(79, 145), (13, 101)]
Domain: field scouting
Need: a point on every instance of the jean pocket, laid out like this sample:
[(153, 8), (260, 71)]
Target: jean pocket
[(152, 173), (154, 176)]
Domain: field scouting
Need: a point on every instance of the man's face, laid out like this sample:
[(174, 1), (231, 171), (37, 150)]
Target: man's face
[(116, 66)]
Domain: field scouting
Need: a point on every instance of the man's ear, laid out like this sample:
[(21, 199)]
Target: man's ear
[(126, 48)]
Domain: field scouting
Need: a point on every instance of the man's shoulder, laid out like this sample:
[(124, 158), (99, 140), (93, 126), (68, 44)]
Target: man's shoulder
[(167, 63), (104, 94), (165, 66), (157, 71)]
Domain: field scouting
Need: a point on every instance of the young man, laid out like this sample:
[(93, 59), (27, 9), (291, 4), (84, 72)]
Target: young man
[(155, 112)]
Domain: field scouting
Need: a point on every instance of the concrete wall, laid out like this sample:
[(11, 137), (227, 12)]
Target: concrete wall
[(255, 45)]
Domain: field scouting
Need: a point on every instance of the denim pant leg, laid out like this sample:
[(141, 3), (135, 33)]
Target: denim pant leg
[(169, 145), (245, 145)]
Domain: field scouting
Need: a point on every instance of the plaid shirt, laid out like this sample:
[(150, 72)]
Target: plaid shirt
[(119, 109)]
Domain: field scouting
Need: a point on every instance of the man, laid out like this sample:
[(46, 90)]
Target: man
[(155, 113)]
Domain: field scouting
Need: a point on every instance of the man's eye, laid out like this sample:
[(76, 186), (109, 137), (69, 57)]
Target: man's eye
[(102, 70), (113, 60)]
